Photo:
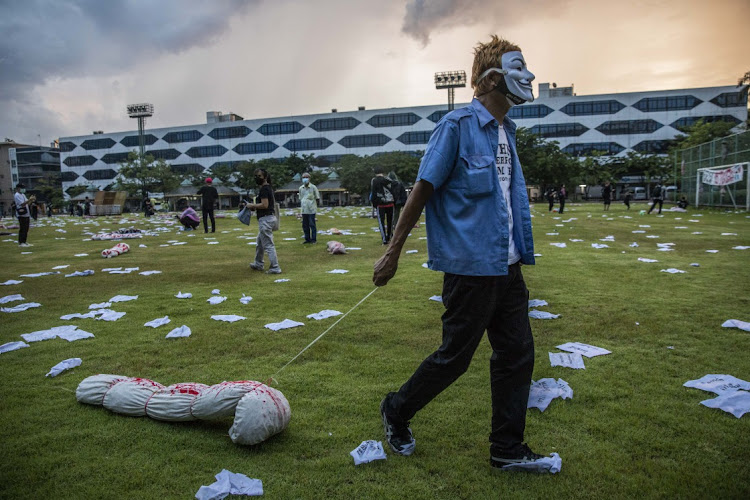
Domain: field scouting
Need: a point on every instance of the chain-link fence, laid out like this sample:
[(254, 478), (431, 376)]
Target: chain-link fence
[(728, 150)]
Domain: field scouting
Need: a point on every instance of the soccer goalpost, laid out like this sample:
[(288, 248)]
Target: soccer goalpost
[(724, 180)]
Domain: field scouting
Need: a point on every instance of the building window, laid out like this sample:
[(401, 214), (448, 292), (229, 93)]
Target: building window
[(328, 124), (364, 141), (183, 136), (187, 168), (67, 147), (608, 107), (98, 175), (731, 99), (229, 132), (415, 137), (653, 147), (436, 116), (131, 141), (114, 158), (280, 128), (307, 144), (79, 161), (255, 148), (68, 176), (673, 103), (588, 148), (206, 151), (689, 121), (394, 120), (529, 111), (90, 144), (559, 130), (624, 127), (163, 154)]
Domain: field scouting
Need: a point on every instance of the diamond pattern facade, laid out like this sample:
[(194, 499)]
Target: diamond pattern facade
[(328, 124), (315, 143), (206, 151), (100, 174), (364, 141), (626, 127), (90, 144), (229, 132), (115, 158), (79, 161), (280, 128), (394, 120), (182, 136), (588, 108), (131, 141)]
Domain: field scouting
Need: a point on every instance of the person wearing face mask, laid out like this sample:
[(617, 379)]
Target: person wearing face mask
[(478, 234), (309, 196), (23, 212), (264, 206)]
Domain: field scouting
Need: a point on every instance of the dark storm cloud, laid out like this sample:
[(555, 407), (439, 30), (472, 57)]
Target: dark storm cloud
[(423, 17), (45, 39)]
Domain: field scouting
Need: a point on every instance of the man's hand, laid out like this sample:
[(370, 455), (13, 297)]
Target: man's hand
[(385, 269)]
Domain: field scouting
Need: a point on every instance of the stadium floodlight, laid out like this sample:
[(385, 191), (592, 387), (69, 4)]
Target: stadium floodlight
[(141, 112), (450, 80)]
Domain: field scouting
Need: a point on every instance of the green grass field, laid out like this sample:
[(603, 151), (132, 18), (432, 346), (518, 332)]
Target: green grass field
[(631, 429)]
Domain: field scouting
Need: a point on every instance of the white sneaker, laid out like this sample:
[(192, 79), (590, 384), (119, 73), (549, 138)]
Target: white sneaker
[(25, 245)]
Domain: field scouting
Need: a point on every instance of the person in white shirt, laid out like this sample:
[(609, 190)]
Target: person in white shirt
[(23, 213), (309, 196)]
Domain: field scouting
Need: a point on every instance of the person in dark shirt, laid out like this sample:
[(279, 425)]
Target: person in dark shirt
[(381, 195), (657, 195), (264, 205), (607, 195), (209, 195), (562, 195), (550, 198), (399, 197)]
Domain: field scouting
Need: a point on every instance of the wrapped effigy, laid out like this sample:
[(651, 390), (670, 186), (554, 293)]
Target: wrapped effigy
[(259, 411)]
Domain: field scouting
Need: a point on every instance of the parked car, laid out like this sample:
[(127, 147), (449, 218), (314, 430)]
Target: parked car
[(639, 193)]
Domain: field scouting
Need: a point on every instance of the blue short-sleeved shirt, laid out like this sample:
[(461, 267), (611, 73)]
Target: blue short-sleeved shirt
[(467, 218)]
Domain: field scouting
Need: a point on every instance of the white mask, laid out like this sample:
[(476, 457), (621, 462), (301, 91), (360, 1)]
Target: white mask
[(516, 81)]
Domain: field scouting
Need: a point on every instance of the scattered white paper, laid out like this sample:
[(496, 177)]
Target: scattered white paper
[(607, 238), (543, 391), (245, 299), (367, 452), (599, 245), (584, 349), (567, 360), (410, 251), (181, 295), (718, 384), (37, 275), (643, 259), (282, 280), (20, 307), (182, 331), (11, 298), (695, 264), (12, 282), (122, 298), (229, 318), (81, 255), (149, 273), (230, 483), (111, 316), (559, 245), (283, 325), (325, 313), (76, 334), (63, 365), (551, 464), (740, 247), (216, 300), (215, 291), (101, 305), (542, 315), (87, 272), (576, 240), (673, 270), (337, 271), (437, 298), (737, 403), (12, 346), (735, 323), (633, 245), (712, 251), (155, 323)]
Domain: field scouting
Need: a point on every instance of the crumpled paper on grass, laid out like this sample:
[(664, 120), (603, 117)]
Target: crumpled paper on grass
[(12, 346), (123, 298), (737, 403), (542, 314), (216, 300), (735, 323), (567, 360), (179, 332), (229, 318), (64, 365), (20, 307), (230, 483), (325, 313), (543, 391), (155, 323), (283, 325), (585, 349), (11, 298), (718, 384), (367, 452)]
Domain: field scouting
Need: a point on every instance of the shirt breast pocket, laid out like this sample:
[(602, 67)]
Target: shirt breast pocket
[(479, 171)]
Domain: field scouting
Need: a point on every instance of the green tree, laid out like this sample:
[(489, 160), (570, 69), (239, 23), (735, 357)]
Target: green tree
[(355, 173), (404, 165), (278, 170), (701, 132), (51, 191), (223, 172), (147, 175), (543, 162), (74, 191)]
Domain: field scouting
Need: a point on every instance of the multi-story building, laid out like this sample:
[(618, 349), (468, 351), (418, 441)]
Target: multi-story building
[(9, 174), (610, 123)]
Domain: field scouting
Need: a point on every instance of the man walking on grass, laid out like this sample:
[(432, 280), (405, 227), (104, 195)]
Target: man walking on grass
[(478, 234), (309, 196)]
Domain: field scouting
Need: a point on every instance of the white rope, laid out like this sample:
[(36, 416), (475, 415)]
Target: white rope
[(321, 335)]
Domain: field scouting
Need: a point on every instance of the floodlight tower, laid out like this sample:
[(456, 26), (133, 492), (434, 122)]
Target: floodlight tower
[(141, 111), (450, 80)]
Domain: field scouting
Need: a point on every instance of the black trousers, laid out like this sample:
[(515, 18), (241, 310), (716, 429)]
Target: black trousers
[(659, 201), (551, 204), (23, 229), (499, 305), (385, 222), (207, 212), (562, 205)]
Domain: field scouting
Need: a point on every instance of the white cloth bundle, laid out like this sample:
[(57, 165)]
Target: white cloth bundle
[(116, 250), (335, 248), (259, 411)]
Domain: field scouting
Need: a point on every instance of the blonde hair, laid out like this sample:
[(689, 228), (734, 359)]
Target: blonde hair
[(489, 55)]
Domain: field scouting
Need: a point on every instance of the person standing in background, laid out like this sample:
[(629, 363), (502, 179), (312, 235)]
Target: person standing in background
[(626, 197), (383, 200), (562, 195), (209, 196), (23, 213), (265, 207), (309, 196), (607, 195)]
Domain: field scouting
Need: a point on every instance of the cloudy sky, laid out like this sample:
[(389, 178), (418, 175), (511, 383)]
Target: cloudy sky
[(68, 67)]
